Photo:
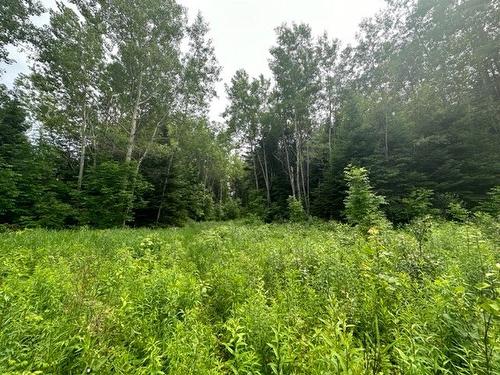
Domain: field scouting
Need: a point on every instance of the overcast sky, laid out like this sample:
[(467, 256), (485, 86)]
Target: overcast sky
[(243, 30)]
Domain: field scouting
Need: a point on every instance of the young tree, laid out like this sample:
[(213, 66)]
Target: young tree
[(362, 205)]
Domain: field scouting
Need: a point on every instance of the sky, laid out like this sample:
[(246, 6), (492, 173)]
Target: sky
[(242, 31)]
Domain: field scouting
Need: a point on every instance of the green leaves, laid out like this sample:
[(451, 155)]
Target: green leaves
[(15, 23), (260, 299), (361, 204)]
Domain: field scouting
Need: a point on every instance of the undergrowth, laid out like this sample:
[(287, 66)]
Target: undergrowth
[(251, 299)]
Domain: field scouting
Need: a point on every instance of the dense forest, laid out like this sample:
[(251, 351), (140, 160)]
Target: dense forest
[(111, 127)]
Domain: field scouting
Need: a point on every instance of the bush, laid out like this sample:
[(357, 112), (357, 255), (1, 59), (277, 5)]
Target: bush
[(457, 212), (256, 205), (231, 209)]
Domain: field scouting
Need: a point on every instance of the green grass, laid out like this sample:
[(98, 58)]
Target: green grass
[(250, 299)]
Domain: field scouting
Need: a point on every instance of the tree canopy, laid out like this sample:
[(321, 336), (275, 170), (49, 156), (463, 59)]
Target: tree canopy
[(111, 125)]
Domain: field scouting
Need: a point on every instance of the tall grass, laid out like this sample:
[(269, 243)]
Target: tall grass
[(251, 299)]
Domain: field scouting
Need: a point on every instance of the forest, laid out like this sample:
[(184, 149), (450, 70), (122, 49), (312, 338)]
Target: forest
[(341, 217), (110, 127)]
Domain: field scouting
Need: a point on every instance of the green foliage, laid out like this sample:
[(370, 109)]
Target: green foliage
[(259, 299), (418, 203), (8, 188), (202, 204), (362, 206), (296, 212), (256, 205), (457, 212), (415, 102), (491, 205), (15, 23), (106, 195), (230, 209)]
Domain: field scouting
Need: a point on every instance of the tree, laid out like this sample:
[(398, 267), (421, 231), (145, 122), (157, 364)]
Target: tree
[(145, 71), (146, 67), (67, 78), (33, 192), (295, 66), (201, 70), (362, 205), (124, 137), (15, 23), (14, 148), (246, 118)]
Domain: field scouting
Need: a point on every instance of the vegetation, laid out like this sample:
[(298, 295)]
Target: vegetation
[(415, 102), (343, 219), (115, 113), (251, 299), (362, 206)]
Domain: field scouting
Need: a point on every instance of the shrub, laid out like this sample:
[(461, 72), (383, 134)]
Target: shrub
[(457, 212), (230, 209)]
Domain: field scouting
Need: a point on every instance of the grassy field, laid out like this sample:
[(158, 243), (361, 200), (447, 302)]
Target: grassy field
[(251, 299)]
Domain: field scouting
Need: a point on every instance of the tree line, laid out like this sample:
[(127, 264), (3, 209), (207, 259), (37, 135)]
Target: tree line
[(111, 126), (416, 102)]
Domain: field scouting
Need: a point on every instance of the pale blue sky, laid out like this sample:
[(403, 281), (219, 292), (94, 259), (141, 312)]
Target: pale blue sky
[(243, 30)]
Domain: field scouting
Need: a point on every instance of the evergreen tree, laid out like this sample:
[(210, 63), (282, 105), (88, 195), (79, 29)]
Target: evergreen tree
[(362, 205)]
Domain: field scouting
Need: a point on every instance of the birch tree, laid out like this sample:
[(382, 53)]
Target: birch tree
[(245, 116), (70, 60), (15, 23), (145, 53), (295, 66), (145, 71), (201, 70)]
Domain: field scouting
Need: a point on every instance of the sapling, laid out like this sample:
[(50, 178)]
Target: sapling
[(362, 205)]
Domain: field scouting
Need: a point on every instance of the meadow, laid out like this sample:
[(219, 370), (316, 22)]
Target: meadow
[(249, 298)]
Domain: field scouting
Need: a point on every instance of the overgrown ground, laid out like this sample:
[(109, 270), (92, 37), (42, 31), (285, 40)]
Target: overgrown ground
[(249, 299)]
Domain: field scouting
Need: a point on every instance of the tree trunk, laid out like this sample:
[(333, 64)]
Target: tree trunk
[(263, 167), (254, 166), (94, 147), (83, 147), (290, 172), (133, 123), (220, 191), (330, 132), (303, 184), (137, 169), (297, 158), (267, 179), (308, 182)]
